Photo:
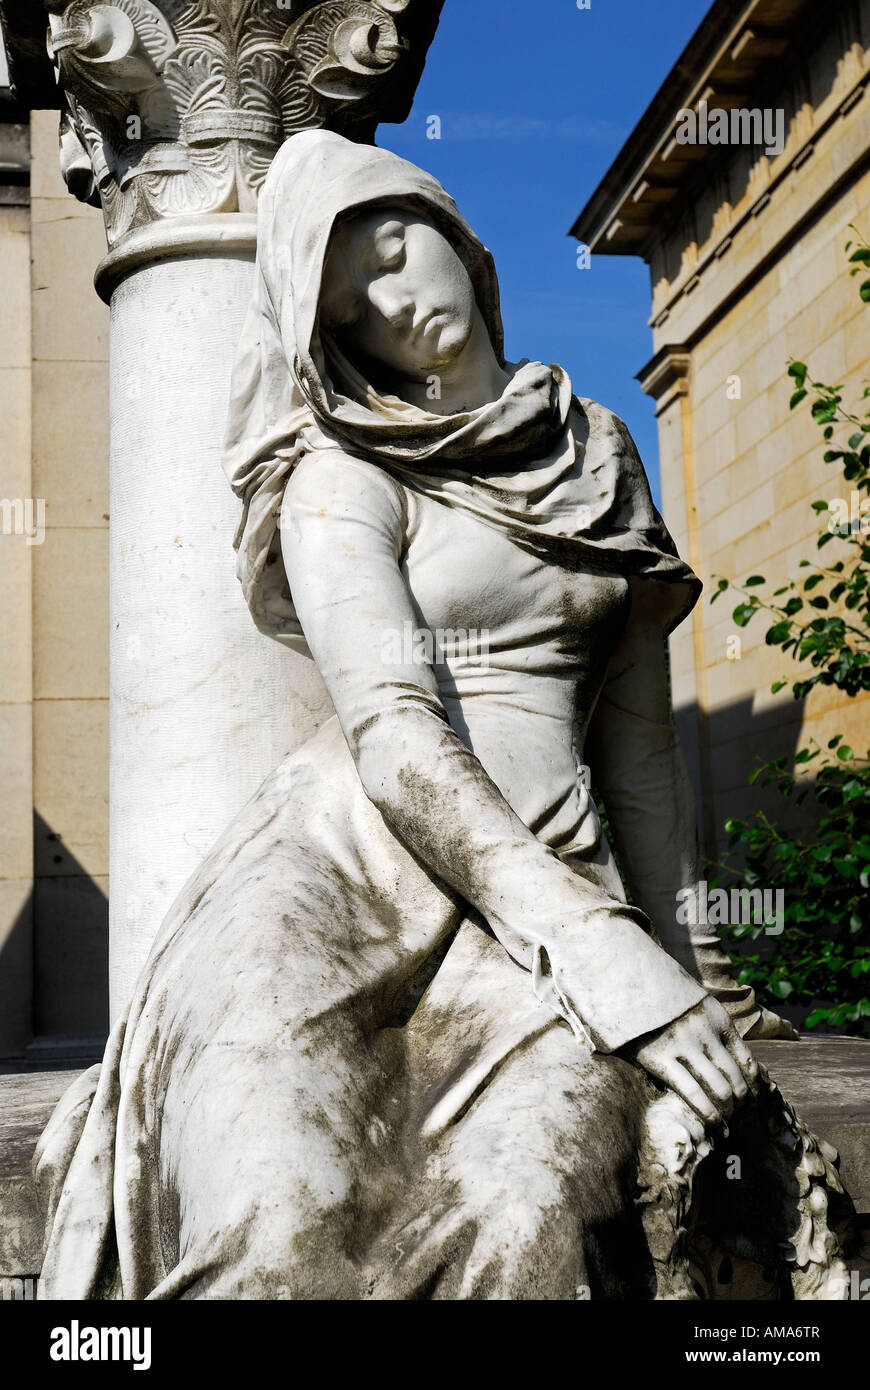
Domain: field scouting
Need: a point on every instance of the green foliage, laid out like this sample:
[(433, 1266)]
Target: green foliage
[(822, 621), (823, 953)]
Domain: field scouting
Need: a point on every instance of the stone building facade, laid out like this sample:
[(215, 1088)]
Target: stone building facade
[(748, 270), (54, 669)]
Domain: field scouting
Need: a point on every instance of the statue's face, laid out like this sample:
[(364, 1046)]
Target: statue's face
[(395, 290)]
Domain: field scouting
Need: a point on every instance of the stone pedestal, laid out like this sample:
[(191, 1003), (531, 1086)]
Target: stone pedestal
[(827, 1079)]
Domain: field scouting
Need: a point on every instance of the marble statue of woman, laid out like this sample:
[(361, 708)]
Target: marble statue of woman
[(402, 1035)]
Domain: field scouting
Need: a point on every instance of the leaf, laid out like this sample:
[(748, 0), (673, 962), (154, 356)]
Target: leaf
[(844, 753), (777, 686), (817, 1016), (754, 579)]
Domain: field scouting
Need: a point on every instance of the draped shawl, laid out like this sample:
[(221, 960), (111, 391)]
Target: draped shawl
[(557, 473)]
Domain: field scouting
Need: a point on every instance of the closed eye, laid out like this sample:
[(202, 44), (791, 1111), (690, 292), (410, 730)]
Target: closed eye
[(393, 259), (389, 246)]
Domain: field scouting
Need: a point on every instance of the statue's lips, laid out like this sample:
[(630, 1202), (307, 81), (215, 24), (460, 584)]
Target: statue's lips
[(436, 317)]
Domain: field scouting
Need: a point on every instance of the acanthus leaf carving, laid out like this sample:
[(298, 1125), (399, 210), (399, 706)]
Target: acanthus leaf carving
[(180, 105)]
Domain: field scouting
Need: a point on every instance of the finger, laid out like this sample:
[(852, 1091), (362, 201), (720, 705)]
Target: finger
[(680, 1079), (722, 1059), (742, 1055), (717, 1016), (739, 1050), (713, 1081)]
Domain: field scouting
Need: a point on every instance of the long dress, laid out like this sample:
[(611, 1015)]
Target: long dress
[(280, 1113), (375, 1049)]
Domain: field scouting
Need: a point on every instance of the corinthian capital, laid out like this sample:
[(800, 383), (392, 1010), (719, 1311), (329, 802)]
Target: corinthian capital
[(178, 107)]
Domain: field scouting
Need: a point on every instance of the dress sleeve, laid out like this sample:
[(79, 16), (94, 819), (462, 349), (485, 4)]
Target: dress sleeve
[(591, 958), (638, 766)]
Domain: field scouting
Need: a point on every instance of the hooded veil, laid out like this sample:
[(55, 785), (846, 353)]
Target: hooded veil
[(538, 464)]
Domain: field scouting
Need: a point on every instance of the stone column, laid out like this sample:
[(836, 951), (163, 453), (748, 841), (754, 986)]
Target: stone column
[(666, 378), (174, 113), (201, 705)]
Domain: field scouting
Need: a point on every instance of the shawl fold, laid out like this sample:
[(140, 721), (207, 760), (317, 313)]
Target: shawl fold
[(559, 474)]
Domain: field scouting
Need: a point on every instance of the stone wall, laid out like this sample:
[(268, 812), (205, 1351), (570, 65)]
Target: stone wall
[(16, 838), (53, 389), (70, 602), (755, 273)]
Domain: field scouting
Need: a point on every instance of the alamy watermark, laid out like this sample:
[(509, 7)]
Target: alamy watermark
[(419, 646), (77, 1343), (850, 517), (740, 126), (719, 907), (849, 1284), (23, 516)]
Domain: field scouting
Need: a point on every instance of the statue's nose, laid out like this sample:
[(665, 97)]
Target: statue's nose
[(397, 307)]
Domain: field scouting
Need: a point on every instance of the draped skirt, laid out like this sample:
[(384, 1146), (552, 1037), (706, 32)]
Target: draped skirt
[(332, 1082)]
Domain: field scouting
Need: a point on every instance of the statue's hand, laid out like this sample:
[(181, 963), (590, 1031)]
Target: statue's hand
[(702, 1057)]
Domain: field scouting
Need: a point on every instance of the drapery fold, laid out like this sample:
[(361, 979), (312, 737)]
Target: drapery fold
[(556, 473)]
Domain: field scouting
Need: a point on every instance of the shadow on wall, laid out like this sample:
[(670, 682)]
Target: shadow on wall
[(60, 940), (733, 739)]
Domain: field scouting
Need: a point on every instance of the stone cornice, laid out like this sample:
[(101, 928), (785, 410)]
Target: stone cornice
[(733, 50), (177, 108), (773, 186), (666, 376), (33, 88)]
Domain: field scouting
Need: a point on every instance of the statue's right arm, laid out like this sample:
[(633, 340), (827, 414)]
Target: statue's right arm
[(343, 526)]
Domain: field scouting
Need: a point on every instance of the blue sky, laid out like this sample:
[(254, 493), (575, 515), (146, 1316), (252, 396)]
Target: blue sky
[(536, 98)]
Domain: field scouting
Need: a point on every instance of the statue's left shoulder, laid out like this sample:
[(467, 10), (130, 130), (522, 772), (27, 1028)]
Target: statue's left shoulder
[(608, 441)]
